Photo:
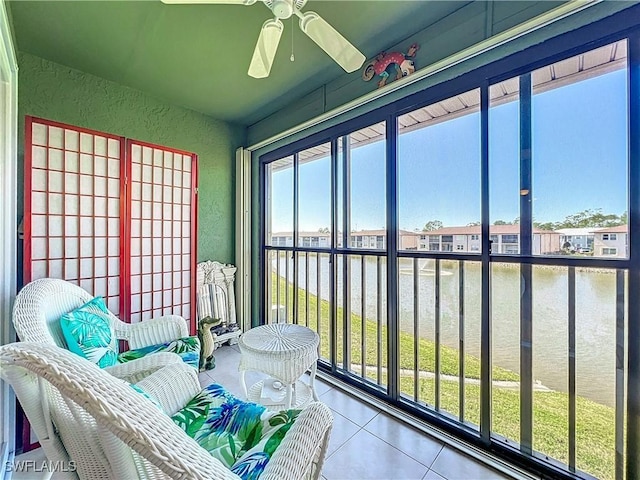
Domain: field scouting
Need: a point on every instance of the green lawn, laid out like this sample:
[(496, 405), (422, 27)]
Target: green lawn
[(595, 435)]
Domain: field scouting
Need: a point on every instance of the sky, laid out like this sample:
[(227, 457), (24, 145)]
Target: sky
[(579, 162)]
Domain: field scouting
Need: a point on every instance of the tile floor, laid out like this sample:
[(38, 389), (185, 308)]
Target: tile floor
[(365, 443)]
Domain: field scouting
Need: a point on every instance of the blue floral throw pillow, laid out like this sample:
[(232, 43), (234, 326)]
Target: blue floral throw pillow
[(242, 435), (87, 331)]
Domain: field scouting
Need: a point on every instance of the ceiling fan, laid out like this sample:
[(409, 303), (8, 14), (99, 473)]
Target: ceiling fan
[(312, 24)]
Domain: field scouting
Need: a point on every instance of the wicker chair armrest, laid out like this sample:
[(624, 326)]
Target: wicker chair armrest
[(120, 409), (135, 370), (172, 386), (303, 448), (153, 331)]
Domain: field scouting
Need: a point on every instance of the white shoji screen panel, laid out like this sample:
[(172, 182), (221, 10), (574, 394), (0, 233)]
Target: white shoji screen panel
[(162, 232), (72, 207)]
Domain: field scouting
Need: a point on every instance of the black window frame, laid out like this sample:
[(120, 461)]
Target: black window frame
[(616, 27)]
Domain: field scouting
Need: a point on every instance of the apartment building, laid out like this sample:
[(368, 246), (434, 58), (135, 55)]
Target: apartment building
[(505, 239), (576, 239), (611, 242), (369, 239)]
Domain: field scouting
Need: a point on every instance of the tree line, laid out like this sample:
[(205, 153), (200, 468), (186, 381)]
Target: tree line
[(594, 218)]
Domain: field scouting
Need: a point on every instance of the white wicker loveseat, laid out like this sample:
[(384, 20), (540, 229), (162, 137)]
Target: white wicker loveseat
[(111, 431), (41, 303)]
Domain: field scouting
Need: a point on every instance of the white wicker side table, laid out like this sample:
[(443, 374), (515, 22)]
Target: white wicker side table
[(284, 352)]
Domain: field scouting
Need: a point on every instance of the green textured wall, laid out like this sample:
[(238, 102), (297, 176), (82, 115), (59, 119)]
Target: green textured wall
[(55, 92)]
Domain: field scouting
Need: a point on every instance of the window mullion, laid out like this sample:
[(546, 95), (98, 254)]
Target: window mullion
[(393, 325), (332, 256), (633, 333), (526, 330), (485, 328), (346, 263)]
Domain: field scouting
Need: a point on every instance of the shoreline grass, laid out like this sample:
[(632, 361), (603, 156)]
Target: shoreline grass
[(595, 431)]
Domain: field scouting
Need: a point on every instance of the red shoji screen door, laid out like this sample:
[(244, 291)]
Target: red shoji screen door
[(162, 233), (73, 213), (131, 242), (115, 216), (74, 208)]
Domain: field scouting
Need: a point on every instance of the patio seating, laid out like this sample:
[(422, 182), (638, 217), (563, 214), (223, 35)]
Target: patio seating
[(83, 415), (41, 303)]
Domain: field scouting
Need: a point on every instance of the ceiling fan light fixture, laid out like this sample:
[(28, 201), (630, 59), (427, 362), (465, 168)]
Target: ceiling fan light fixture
[(266, 48), (311, 24), (331, 41)]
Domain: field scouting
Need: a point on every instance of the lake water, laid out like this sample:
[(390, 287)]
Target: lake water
[(595, 315)]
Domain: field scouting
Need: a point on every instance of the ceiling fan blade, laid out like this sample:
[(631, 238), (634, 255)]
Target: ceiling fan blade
[(266, 48), (227, 2), (328, 39)]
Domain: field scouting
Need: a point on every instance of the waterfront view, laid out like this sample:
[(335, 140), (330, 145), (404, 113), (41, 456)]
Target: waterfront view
[(595, 341), (595, 315), (541, 168)]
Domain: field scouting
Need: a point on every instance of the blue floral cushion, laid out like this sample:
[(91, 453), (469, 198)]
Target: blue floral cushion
[(242, 435), (188, 348), (87, 331)]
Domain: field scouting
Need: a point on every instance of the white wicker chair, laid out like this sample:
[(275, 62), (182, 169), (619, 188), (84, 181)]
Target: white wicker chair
[(110, 431), (41, 303)]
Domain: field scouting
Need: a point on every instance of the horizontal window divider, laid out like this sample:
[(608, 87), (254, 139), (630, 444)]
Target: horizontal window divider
[(350, 252), (562, 261), (312, 249), (533, 260), (372, 253), (281, 249), (474, 257), (327, 251)]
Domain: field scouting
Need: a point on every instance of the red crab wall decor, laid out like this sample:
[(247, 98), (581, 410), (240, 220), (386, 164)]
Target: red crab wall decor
[(395, 65)]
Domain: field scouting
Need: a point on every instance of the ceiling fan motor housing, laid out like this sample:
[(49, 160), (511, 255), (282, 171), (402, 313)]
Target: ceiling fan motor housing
[(283, 9)]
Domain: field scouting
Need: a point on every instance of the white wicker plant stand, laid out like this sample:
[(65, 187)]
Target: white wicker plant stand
[(284, 352)]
